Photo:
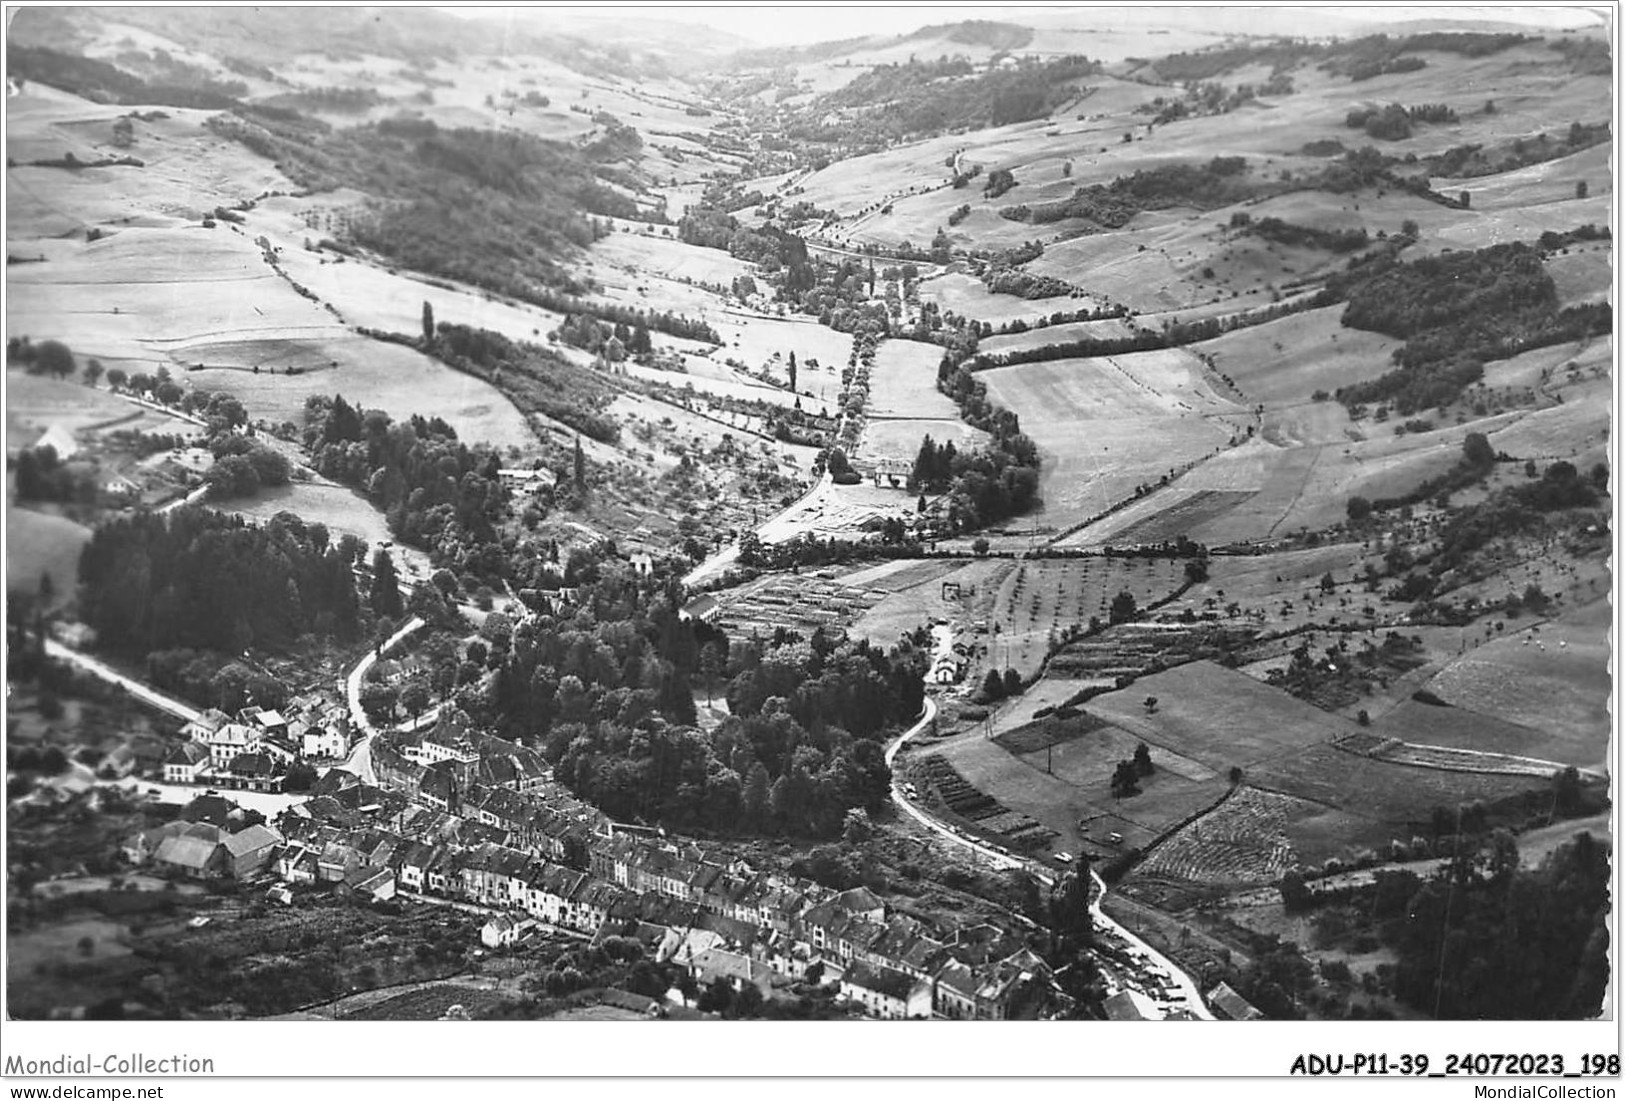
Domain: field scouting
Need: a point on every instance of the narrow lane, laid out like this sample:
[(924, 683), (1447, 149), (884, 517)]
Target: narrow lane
[(135, 688)]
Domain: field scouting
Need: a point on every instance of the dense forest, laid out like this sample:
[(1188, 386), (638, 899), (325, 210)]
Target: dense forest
[(927, 97), (1483, 938), (1457, 311), (535, 379), (607, 689), (203, 580), (1219, 182), (988, 484), (496, 209), (436, 492)]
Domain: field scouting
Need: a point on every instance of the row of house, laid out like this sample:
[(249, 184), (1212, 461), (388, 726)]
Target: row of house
[(555, 861), (466, 816), (314, 727)]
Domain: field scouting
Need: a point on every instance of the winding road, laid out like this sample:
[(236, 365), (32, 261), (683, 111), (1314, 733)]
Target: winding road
[(1158, 965), (359, 762)]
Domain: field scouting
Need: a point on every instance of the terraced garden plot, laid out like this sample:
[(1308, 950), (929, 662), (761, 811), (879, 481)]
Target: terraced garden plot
[(801, 604), (1242, 841), (1047, 732), (1041, 598), (1079, 789), (968, 801)]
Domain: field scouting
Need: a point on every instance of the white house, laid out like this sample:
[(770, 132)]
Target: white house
[(184, 762), (229, 742), (887, 994), (503, 931)]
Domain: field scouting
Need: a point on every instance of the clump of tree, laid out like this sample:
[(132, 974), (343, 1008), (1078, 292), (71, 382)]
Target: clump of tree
[(999, 180), (205, 580), (243, 465), (1456, 311), (608, 696), (436, 492)]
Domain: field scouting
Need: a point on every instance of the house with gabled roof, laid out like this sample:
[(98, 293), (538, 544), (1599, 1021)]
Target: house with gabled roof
[(229, 741), (202, 728), (954, 993), (139, 847), (185, 762), (251, 849), (886, 994), (192, 854), (256, 771), (411, 862), (336, 860), (369, 881), (1231, 1006), (504, 931), (733, 968), (862, 903)]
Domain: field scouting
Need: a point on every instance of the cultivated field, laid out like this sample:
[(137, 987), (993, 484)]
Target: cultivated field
[(1285, 361), (1105, 426), (1109, 329), (1038, 600), (1244, 841), (1393, 800), (967, 297), (1551, 689), (1216, 716), (36, 402), (903, 383)]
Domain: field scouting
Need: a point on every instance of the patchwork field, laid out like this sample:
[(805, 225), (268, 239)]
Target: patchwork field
[(1244, 841), (1038, 600), (954, 594)]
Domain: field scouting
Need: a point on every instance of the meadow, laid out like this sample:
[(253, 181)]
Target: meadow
[(1105, 426)]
